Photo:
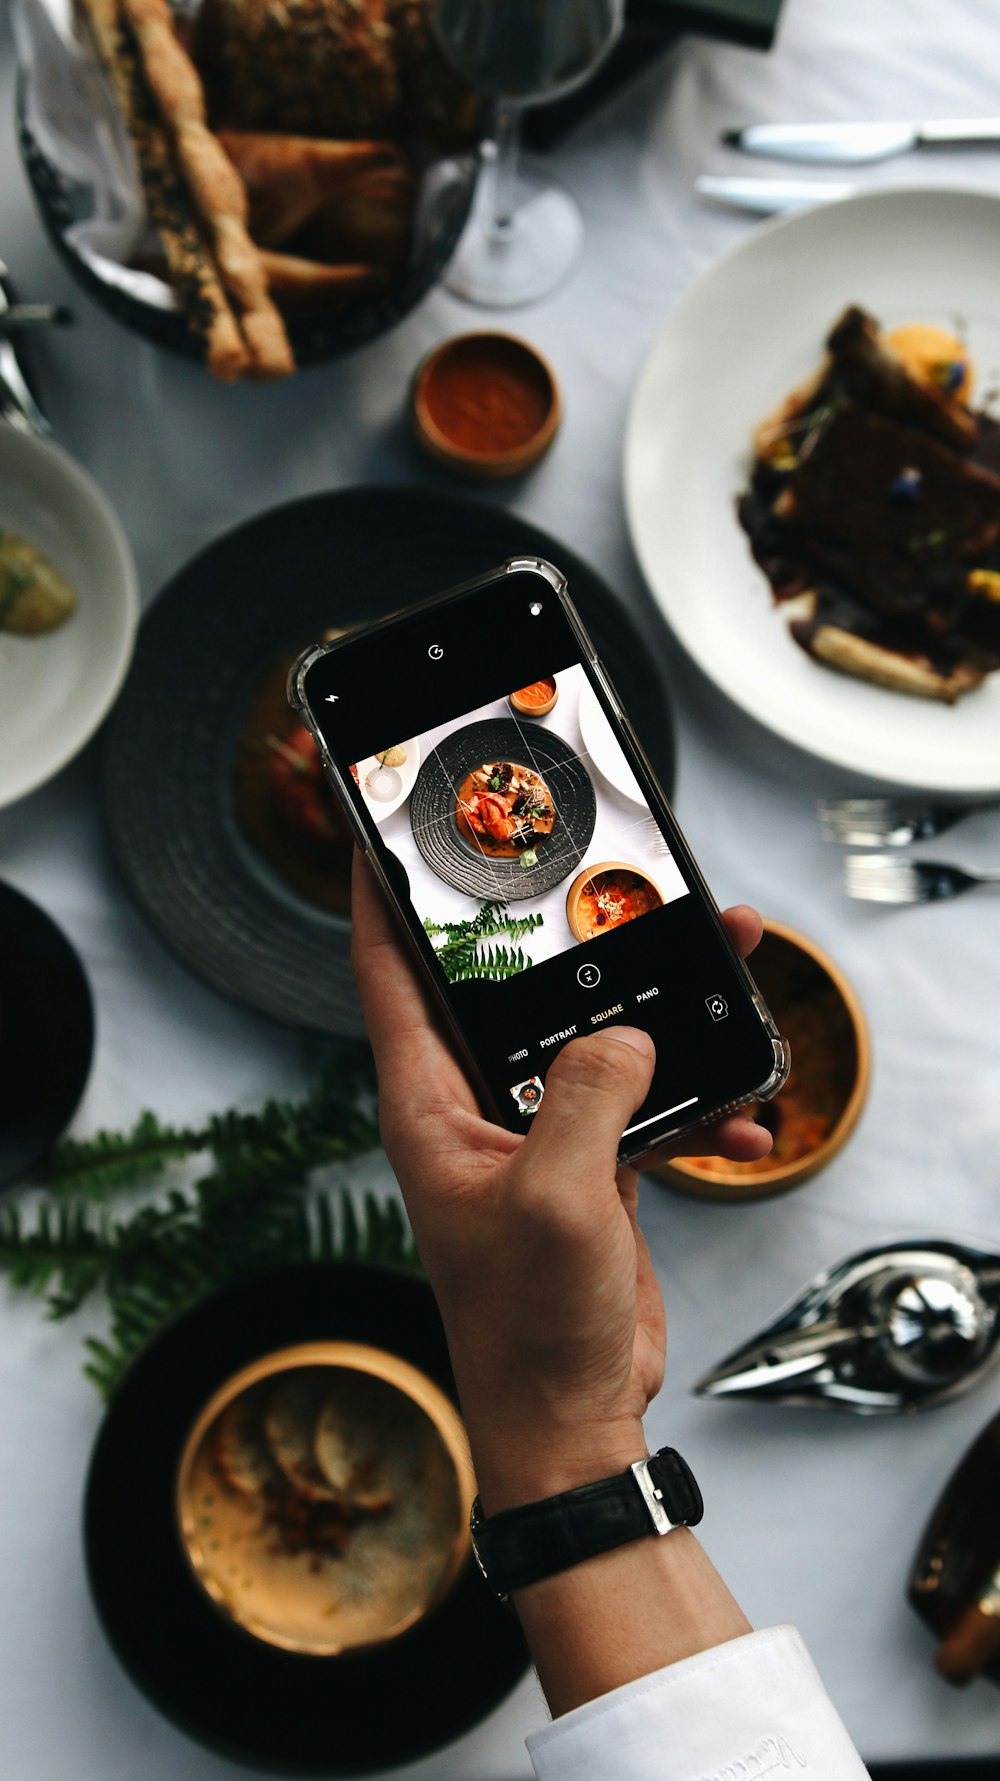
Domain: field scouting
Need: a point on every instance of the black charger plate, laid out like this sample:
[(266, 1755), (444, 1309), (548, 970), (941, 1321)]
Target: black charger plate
[(253, 1701), (268, 588), (456, 859), (46, 1034)]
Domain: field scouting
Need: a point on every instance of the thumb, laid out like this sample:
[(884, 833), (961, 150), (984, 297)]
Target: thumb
[(591, 1092)]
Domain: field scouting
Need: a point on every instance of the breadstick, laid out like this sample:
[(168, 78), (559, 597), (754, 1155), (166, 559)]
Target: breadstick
[(213, 182), (303, 286), (193, 275), (289, 178)]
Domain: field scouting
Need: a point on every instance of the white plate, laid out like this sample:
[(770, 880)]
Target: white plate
[(743, 336), (55, 689), (601, 744), (407, 773)]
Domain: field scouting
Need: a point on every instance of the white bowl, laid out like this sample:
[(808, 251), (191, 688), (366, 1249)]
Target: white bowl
[(56, 688)]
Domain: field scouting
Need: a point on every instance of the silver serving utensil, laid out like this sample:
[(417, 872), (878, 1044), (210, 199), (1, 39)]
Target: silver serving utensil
[(885, 878), (34, 315), (890, 822), (839, 145), (17, 404), (768, 197), (887, 1330)]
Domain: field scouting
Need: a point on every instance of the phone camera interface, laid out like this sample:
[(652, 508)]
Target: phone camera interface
[(528, 1095), (717, 1007)]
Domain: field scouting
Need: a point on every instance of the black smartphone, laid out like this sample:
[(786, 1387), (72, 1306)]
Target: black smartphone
[(496, 785)]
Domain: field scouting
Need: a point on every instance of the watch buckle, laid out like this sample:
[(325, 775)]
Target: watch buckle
[(652, 1498)]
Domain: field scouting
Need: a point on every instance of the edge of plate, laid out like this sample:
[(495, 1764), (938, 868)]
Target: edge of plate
[(888, 196), (75, 473)]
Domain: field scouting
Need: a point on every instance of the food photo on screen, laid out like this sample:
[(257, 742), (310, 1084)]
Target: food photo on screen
[(521, 829)]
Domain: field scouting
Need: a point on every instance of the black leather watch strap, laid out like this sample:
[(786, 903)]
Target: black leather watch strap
[(521, 1546)]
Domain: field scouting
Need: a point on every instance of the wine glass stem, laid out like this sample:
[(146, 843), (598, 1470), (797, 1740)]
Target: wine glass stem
[(506, 133)]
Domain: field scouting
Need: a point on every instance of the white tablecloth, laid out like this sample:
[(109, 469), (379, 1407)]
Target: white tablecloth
[(812, 1518)]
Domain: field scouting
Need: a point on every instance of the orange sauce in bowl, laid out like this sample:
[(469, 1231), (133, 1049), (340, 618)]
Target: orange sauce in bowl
[(530, 698), (611, 898)]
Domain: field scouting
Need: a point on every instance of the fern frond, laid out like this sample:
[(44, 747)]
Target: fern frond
[(111, 1161), (462, 952), (68, 1242), (330, 1226), (252, 1208), (492, 965)]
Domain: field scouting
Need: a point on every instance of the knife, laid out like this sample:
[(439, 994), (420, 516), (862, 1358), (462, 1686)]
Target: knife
[(850, 144), (764, 197)]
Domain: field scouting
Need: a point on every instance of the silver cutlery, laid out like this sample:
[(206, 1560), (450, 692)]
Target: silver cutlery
[(34, 315), (838, 145), (885, 878), (886, 1330), (890, 822), (17, 404), (766, 197)]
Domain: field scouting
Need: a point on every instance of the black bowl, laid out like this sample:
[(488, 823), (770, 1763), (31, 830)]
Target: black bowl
[(368, 1709), (46, 1034)]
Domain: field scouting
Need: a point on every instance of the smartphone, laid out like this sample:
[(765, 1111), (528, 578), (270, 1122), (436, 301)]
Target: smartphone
[(495, 783)]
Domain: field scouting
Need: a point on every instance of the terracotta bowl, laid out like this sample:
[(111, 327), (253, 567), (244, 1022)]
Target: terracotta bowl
[(815, 1113), (323, 1497), (542, 709), (598, 871), (463, 398)]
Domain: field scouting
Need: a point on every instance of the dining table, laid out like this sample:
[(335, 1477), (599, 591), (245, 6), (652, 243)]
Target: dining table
[(813, 1517)]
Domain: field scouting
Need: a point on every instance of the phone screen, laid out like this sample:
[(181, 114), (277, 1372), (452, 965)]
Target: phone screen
[(535, 859)]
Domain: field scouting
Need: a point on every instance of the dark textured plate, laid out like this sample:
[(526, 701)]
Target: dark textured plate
[(455, 858), (257, 1703), (444, 209), (203, 650), (46, 1034)]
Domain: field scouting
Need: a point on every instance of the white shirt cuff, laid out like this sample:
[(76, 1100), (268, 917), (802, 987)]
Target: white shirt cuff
[(752, 1707)]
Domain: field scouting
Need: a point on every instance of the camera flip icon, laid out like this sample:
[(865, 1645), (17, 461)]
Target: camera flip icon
[(717, 1007)]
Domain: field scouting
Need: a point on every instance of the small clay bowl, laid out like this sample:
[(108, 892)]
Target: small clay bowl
[(588, 876), (815, 1113), (323, 1497), (540, 708), (486, 404)]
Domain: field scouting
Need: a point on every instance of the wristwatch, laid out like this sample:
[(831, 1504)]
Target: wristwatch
[(521, 1546)]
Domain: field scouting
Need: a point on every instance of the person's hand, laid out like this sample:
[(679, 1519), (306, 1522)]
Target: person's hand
[(531, 1243)]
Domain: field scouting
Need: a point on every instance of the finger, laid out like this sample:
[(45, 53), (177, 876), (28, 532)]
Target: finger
[(413, 1061), (744, 927), (592, 1090), (737, 1138)]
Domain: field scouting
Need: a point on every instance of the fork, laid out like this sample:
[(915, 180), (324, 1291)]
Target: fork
[(883, 878), (890, 822)]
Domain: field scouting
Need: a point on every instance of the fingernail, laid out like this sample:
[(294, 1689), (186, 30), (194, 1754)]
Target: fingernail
[(633, 1036)]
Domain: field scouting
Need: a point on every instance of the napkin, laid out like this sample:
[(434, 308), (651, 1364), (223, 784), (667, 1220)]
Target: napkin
[(70, 110)]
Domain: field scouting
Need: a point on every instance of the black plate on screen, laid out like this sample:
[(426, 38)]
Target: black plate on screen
[(443, 212), (46, 1034), (268, 588), (365, 1710), (455, 858)]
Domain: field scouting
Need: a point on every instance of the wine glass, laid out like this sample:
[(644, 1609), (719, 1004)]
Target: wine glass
[(525, 230)]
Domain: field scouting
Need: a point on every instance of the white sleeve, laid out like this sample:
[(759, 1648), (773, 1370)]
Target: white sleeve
[(752, 1708)]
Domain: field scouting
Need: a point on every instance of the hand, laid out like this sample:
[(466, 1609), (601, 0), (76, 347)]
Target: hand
[(554, 1318)]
